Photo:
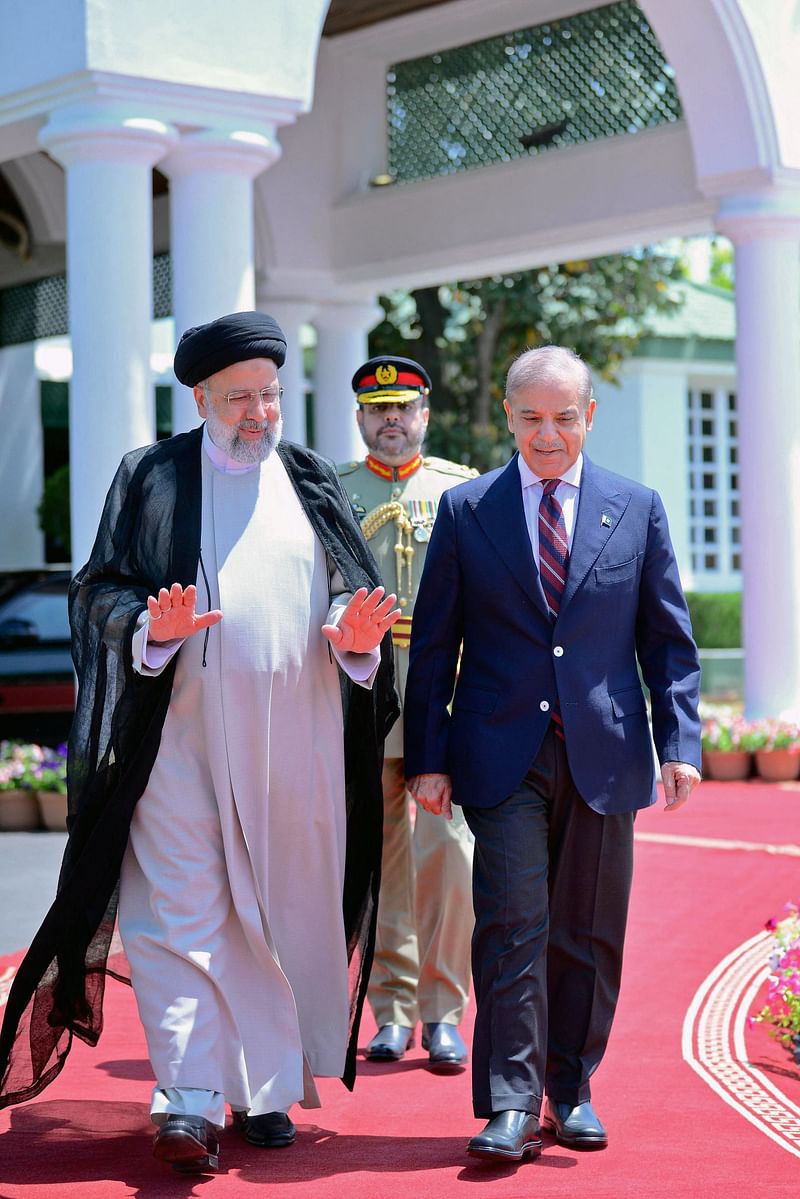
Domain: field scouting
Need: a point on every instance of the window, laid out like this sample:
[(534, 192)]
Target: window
[(712, 440)]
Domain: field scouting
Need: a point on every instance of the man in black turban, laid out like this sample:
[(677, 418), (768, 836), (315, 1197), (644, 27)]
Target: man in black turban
[(224, 769)]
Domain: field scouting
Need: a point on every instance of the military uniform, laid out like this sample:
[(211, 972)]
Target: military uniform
[(421, 968)]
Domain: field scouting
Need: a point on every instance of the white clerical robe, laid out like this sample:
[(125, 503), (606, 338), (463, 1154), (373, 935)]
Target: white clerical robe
[(231, 890)]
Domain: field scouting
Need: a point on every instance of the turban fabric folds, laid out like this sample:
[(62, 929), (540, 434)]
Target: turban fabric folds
[(206, 349)]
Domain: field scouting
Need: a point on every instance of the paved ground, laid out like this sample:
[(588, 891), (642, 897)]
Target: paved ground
[(29, 864)]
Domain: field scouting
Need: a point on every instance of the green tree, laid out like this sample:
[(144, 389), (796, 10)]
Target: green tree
[(466, 334), (53, 512), (721, 273)]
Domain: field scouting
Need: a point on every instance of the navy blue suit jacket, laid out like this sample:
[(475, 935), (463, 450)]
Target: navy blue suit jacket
[(622, 602)]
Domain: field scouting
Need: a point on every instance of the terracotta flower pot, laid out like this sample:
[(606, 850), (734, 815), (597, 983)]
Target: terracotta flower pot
[(53, 809), (778, 765), (728, 767), (19, 811)]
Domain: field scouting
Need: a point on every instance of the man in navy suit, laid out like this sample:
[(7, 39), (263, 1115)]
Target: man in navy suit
[(553, 577)]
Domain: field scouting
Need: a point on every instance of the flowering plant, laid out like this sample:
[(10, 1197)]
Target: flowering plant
[(723, 728), (772, 734), (49, 772), (33, 767), (726, 730), (782, 1009)]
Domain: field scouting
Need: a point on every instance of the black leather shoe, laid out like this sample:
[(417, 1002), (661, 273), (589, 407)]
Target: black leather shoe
[(390, 1043), (509, 1136), (270, 1130), (576, 1127), (188, 1143), (446, 1050)]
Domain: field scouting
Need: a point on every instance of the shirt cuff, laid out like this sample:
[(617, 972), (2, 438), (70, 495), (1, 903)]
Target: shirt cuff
[(359, 668), (150, 657)]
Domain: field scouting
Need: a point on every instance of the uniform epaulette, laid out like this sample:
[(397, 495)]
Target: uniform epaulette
[(451, 468), (347, 468)]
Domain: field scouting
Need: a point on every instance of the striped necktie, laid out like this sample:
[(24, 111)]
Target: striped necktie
[(553, 562)]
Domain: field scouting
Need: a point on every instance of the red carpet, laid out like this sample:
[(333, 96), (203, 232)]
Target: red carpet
[(696, 1106)]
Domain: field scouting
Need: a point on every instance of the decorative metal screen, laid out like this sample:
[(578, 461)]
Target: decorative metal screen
[(31, 311), (162, 286), (713, 450), (588, 76)]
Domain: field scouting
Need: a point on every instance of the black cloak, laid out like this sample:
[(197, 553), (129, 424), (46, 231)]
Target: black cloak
[(149, 537)]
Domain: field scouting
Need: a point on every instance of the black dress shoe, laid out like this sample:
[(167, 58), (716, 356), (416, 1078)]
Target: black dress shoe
[(270, 1130), (509, 1136), (576, 1127), (446, 1050), (188, 1143), (390, 1043)]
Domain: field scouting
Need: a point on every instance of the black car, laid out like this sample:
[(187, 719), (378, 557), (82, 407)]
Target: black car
[(37, 685)]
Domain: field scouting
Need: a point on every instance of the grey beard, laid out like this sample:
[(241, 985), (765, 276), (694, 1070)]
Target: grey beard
[(246, 452)]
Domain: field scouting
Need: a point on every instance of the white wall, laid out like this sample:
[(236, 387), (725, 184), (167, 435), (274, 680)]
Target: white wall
[(640, 432), (21, 460), (258, 47)]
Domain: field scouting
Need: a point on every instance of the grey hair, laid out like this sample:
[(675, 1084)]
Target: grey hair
[(550, 364)]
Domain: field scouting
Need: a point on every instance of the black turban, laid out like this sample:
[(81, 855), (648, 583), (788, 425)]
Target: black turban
[(206, 349)]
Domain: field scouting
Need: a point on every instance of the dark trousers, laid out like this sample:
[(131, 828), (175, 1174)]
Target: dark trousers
[(551, 881)]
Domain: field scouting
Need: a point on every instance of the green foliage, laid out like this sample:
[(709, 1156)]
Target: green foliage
[(53, 511), (722, 265), (467, 334), (716, 619)]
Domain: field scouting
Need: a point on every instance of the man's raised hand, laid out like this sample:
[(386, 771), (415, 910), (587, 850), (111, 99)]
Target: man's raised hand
[(364, 622), (173, 614)]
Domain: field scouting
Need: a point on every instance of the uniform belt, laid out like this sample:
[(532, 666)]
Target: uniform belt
[(401, 632)]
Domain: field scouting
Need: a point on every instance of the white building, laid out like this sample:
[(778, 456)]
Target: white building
[(672, 423), (246, 140)]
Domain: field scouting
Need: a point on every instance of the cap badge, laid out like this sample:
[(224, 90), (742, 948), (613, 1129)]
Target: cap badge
[(386, 374)]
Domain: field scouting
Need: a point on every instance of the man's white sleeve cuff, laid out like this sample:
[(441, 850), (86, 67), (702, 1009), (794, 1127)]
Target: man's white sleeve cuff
[(150, 657), (360, 668)]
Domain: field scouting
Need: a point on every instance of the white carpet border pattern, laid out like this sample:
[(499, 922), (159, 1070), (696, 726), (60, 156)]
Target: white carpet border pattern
[(714, 1044)]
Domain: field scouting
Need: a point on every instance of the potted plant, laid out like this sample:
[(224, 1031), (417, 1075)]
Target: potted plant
[(50, 782), (19, 810), (726, 753), (782, 1008), (776, 744)]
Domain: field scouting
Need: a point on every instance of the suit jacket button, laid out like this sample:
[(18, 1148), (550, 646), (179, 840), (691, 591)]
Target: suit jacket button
[(544, 706), (558, 651)]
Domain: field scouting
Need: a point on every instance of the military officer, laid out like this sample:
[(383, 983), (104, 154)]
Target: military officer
[(421, 968)]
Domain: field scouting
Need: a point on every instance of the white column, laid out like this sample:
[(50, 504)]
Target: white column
[(342, 330), (211, 177), (765, 229), (108, 156), (21, 458), (290, 315)]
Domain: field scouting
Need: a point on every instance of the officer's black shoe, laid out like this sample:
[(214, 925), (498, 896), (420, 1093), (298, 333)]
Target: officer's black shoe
[(270, 1130), (577, 1127), (188, 1143), (390, 1043), (447, 1052), (509, 1136)]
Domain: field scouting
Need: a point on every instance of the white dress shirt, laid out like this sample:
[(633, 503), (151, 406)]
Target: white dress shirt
[(566, 493)]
